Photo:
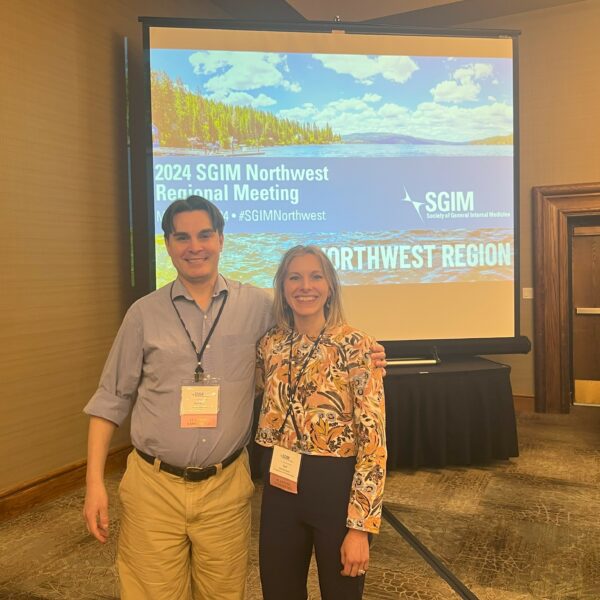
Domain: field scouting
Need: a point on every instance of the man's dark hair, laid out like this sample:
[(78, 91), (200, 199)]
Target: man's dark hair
[(187, 205)]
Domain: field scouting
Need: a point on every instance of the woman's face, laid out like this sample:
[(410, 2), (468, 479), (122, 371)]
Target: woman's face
[(305, 288)]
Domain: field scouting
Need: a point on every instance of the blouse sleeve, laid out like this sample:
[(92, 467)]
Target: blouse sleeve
[(259, 378), (366, 382)]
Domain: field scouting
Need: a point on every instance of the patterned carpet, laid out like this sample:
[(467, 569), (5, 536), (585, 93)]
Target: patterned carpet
[(524, 529)]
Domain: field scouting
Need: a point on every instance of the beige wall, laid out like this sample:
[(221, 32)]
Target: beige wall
[(64, 274), (559, 94)]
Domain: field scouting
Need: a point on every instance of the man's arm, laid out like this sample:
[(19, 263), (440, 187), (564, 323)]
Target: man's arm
[(95, 508)]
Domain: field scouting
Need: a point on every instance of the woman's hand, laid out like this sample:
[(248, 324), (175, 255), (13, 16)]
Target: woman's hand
[(355, 553)]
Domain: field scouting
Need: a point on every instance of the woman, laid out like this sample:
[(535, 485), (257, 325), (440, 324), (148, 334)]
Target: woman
[(323, 419)]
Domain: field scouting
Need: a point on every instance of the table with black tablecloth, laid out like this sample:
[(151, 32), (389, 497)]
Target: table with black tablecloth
[(458, 412)]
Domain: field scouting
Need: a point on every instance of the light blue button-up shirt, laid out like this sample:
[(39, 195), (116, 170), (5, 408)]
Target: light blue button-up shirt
[(152, 355)]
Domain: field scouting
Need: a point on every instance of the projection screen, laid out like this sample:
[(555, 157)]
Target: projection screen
[(394, 152)]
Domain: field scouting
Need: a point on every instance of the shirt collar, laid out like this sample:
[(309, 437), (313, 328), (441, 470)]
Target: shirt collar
[(179, 290)]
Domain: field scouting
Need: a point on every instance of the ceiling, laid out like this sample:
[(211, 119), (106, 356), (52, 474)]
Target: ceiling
[(408, 13)]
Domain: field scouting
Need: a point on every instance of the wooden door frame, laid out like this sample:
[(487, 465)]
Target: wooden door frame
[(553, 207)]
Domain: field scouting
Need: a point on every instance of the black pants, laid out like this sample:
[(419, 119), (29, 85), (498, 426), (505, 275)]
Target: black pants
[(292, 524)]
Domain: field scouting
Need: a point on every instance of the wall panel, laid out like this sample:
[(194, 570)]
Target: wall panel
[(65, 256), (560, 122)]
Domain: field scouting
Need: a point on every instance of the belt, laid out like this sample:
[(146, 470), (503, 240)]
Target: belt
[(192, 473)]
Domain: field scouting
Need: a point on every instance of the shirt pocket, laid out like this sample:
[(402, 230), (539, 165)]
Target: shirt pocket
[(238, 357)]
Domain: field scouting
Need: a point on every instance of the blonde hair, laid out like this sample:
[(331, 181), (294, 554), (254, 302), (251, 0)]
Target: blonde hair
[(284, 316)]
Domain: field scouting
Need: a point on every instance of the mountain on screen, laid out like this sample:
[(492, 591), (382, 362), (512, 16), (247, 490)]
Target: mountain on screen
[(391, 138), (497, 140)]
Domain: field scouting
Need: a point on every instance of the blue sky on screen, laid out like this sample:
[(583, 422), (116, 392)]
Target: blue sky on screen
[(440, 98)]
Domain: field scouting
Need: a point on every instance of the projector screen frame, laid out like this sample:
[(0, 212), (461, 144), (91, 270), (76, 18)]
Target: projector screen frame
[(395, 347)]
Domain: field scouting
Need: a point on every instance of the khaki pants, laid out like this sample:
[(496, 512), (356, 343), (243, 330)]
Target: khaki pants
[(182, 540)]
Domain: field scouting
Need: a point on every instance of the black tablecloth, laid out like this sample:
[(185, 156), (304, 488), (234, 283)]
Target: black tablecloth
[(459, 412)]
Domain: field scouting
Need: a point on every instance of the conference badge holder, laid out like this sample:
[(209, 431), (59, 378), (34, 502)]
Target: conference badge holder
[(199, 406), (285, 464), (284, 469)]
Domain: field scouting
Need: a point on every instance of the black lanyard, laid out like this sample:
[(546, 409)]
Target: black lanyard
[(199, 370), (292, 389)]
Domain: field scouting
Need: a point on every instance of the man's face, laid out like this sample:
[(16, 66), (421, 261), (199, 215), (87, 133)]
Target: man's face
[(194, 246)]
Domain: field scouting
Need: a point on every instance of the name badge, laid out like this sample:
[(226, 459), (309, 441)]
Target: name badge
[(284, 469), (199, 406)]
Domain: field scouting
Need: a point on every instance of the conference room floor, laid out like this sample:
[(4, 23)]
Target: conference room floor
[(523, 529)]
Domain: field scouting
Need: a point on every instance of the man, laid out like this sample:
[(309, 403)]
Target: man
[(184, 360)]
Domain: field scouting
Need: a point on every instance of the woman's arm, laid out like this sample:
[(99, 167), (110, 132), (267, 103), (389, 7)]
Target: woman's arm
[(365, 504), (259, 378)]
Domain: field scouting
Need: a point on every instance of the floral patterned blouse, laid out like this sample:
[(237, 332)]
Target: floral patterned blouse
[(338, 406)]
